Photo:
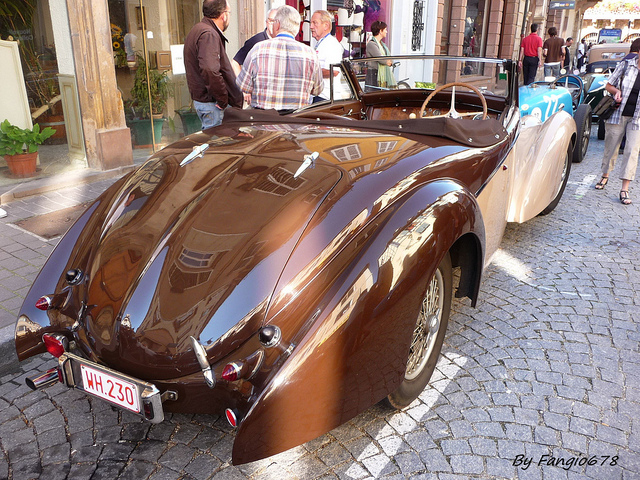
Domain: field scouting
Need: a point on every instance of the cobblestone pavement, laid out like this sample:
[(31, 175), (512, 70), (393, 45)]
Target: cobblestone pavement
[(540, 381)]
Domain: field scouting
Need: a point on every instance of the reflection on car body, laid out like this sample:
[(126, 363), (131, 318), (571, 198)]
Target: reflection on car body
[(288, 298)]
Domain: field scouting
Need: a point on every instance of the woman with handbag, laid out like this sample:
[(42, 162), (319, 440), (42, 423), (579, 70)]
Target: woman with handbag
[(624, 86)]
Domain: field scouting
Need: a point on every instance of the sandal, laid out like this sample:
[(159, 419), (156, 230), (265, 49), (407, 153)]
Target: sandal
[(624, 197), (601, 184)]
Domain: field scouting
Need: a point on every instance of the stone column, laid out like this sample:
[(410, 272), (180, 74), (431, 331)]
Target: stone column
[(106, 136)]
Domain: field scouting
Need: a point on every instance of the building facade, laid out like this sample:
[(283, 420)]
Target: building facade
[(89, 58)]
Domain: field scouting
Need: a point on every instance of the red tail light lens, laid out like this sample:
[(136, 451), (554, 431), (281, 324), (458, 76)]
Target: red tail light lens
[(53, 345), (232, 418), (44, 303), (231, 372)]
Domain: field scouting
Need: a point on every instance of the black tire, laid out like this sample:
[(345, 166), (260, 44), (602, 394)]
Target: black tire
[(433, 319), (601, 129), (565, 177), (582, 118)]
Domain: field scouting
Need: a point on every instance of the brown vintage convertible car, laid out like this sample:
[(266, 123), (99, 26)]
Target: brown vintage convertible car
[(291, 271)]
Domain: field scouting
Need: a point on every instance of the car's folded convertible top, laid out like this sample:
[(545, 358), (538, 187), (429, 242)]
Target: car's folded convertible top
[(473, 133)]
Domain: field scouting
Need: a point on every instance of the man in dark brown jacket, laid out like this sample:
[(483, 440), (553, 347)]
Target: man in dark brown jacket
[(210, 77)]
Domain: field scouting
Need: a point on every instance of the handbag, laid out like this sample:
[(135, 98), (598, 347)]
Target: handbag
[(605, 107)]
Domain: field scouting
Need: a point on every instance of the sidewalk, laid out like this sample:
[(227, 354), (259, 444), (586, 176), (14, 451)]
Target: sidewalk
[(58, 170)]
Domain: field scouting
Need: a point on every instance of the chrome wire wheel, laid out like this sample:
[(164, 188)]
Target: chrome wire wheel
[(427, 336), (427, 327)]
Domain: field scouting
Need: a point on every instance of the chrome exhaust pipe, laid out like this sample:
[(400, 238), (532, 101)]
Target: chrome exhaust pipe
[(43, 380)]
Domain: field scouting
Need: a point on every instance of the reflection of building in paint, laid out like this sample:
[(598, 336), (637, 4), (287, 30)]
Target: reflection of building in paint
[(406, 244), (279, 182), (361, 152), (341, 312)]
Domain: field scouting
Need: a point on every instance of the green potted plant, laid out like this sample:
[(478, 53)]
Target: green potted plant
[(142, 108), (19, 147), (191, 123)]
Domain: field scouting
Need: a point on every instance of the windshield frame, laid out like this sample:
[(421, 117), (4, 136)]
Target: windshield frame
[(348, 68)]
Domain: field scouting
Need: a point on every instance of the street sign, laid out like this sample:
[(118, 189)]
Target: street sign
[(562, 5), (610, 35)]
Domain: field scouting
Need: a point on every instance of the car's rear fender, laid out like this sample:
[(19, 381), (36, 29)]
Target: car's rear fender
[(33, 323), (350, 329)]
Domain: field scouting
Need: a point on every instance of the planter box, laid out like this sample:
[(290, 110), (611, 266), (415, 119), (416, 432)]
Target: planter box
[(141, 129), (190, 121)]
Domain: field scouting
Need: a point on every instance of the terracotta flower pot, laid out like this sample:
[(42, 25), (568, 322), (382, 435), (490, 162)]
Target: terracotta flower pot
[(23, 164)]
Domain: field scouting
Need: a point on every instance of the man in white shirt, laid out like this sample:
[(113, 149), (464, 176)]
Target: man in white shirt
[(580, 54), (329, 51)]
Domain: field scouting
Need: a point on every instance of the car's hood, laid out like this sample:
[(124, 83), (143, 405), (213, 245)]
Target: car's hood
[(195, 250)]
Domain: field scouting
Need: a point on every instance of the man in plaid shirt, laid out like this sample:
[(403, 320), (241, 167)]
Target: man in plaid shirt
[(281, 73), (624, 85)]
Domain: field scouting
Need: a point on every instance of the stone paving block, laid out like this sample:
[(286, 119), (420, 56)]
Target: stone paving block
[(86, 453), (501, 414), (203, 441), (138, 470), (409, 463), (545, 436), (380, 465), (455, 447), (467, 464), (176, 457), (461, 429), (164, 473), (135, 431), (26, 468), (56, 454), (149, 450), (308, 466), (519, 432), (556, 421), (611, 435), (186, 433), (229, 473), (51, 438), (346, 432), (116, 451), (108, 469), (351, 471), (480, 398), (493, 430), (333, 454), (222, 448)]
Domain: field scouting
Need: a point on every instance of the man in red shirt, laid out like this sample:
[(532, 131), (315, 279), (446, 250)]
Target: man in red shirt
[(530, 55)]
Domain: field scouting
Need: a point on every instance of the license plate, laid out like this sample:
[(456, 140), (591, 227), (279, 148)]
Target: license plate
[(110, 388), (124, 391)]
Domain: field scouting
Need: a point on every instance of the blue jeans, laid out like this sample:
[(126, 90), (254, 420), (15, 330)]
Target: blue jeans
[(552, 70), (209, 114)]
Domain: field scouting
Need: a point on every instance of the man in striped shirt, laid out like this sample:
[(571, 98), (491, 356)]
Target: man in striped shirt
[(281, 73)]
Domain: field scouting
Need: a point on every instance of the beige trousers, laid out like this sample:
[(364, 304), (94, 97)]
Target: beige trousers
[(613, 138)]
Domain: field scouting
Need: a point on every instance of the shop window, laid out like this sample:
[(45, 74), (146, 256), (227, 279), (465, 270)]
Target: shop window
[(29, 22), (474, 34)]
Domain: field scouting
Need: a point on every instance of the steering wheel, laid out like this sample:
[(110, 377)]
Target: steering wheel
[(452, 113)]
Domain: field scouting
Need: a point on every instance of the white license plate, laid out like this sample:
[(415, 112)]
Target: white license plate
[(112, 389)]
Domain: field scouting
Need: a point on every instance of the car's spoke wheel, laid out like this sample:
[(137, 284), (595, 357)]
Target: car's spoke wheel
[(428, 336), (582, 118)]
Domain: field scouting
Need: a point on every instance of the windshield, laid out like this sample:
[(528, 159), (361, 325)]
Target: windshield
[(428, 72)]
